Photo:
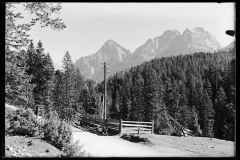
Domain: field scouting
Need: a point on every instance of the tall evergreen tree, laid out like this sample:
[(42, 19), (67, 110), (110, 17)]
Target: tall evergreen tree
[(40, 67), (48, 72), (208, 115), (79, 80), (18, 90), (137, 99), (150, 94), (58, 91), (220, 118), (69, 84), (35, 68)]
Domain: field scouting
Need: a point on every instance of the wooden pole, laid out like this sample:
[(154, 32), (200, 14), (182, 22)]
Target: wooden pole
[(138, 121), (138, 128), (102, 109), (120, 126), (153, 126), (105, 88)]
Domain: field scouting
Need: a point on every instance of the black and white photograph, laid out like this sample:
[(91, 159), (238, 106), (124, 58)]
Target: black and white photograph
[(119, 79)]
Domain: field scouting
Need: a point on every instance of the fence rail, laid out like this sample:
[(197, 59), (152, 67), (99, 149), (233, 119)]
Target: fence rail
[(136, 127), (113, 124)]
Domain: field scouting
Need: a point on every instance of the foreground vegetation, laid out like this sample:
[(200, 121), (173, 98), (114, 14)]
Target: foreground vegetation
[(23, 122)]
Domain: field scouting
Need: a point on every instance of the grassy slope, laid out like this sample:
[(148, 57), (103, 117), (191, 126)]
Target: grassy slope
[(200, 146)]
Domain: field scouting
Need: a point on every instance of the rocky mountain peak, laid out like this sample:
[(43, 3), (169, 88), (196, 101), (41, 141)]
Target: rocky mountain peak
[(187, 31), (170, 43), (200, 29), (110, 42), (171, 32), (176, 32)]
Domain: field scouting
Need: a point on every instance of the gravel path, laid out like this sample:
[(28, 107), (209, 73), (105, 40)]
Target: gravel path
[(113, 146)]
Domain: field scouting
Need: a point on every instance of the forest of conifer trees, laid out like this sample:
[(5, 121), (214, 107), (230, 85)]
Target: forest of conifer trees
[(197, 90)]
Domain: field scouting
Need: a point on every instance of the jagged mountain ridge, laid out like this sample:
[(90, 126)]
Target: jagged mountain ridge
[(170, 43), (111, 52)]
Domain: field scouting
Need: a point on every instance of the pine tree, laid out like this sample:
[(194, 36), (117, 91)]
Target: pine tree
[(40, 67), (89, 98), (48, 72), (58, 91), (79, 87), (124, 104), (35, 69), (69, 84), (195, 127), (137, 99), (150, 94), (220, 118), (18, 90), (208, 115)]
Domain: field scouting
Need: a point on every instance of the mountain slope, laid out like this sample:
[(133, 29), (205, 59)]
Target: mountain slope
[(229, 47), (170, 43), (111, 52)]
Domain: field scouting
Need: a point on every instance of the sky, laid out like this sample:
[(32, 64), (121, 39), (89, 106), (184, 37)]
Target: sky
[(89, 25)]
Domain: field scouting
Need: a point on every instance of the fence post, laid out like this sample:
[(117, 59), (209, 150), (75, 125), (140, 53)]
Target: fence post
[(138, 128), (120, 126), (152, 126)]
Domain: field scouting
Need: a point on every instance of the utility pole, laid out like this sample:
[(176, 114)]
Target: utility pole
[(105, 90), (104, 110)]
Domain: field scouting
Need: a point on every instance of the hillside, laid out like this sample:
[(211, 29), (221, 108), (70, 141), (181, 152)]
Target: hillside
[(198, 90), (20, 146), (111, 52), (229, 47)]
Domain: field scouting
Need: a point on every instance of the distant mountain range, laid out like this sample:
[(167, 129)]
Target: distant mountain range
[(170, 43)]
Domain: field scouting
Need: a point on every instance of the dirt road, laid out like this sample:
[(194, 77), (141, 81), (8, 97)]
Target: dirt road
[(114, 146)]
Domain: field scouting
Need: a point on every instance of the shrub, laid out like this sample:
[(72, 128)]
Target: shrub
[(21, 122), (73, 150), (135, 138), (53, 130), (59, 134)]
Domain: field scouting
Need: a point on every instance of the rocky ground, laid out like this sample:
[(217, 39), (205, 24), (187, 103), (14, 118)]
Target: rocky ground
[(20, 146)]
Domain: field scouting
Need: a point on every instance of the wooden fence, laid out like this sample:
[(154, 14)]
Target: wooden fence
[(136, 127), (118, 126), (91, 120)]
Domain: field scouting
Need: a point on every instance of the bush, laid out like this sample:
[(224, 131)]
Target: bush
[(21, 122), (73, 150), (135, 138), (59, 134), (53, 130)]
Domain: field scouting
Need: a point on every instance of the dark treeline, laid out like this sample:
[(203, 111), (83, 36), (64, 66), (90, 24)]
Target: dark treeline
[(30, 81), (197, 90)]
